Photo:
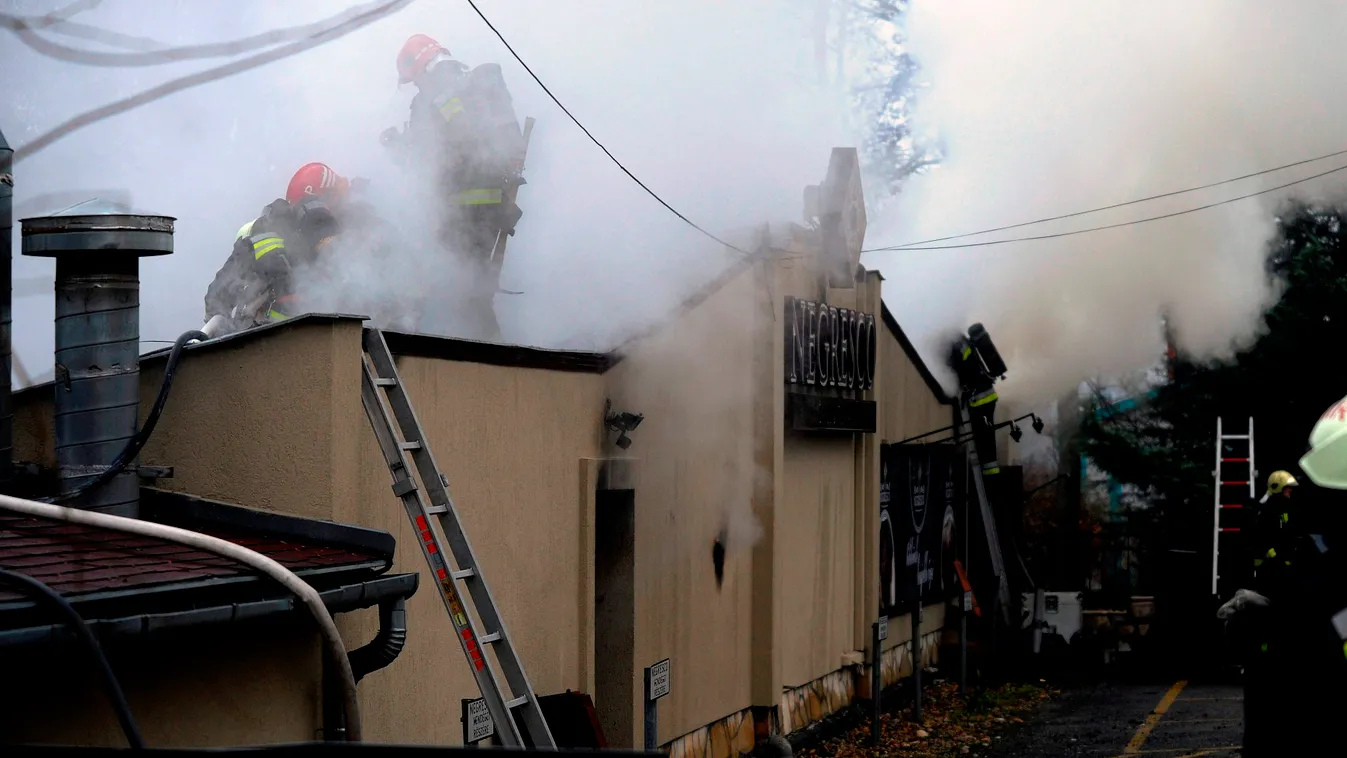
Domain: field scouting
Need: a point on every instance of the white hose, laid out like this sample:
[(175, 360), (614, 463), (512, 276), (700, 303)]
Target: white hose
[(308, 595)]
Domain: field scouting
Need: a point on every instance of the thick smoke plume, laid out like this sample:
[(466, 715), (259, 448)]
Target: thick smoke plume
[(1049, 108)]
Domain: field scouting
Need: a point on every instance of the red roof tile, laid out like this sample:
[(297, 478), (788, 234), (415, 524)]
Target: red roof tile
[(74, 559)]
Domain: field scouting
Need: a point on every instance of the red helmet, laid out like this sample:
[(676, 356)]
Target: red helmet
[(416, 54), (316, 180)]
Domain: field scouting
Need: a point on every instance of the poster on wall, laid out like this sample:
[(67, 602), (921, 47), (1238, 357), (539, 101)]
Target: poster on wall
[(920, 491)]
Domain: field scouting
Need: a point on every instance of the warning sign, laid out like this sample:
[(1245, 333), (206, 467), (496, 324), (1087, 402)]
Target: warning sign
[(477, 723)]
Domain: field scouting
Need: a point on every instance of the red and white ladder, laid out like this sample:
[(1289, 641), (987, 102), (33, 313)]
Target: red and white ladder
[(1234, 473)]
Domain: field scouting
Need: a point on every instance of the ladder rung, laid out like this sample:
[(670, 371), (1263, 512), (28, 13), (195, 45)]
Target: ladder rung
[(1235, 484), (435, 510), (464, 574), (1232, 506), (1234, 436), (512, 704), (409, 445), (1230, 529), (1234, 460), (403, 487), (380, 381), (493, 637)]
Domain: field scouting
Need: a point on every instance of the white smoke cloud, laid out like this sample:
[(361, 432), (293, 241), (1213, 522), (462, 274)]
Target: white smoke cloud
[(714, 105), (1049, 108)]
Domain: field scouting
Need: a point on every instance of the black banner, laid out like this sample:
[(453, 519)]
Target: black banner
[(921, 490)]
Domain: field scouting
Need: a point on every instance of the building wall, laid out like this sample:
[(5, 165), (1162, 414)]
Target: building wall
[(238, 686), (693, 379), (510, 442)]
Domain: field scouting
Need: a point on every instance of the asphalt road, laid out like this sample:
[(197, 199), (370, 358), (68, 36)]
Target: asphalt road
[(1168, 720)]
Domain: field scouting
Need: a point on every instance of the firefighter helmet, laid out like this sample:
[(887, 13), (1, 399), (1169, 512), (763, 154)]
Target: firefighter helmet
[(1279, 481), (316, 180), (416, 54), (1326, 462)]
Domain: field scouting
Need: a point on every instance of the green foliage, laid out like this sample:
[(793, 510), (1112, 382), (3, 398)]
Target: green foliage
[(1285, 380)]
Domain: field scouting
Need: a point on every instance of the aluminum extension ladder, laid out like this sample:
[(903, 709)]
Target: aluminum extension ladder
[(988, 519), (1245, 476), (378, 371)]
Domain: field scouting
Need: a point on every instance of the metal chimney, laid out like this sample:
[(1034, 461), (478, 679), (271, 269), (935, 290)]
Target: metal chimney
[(6, 281), (97, 246)]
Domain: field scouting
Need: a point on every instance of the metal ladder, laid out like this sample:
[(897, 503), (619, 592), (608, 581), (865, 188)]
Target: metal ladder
[(988, 518), (1246, 476), (378, 371)]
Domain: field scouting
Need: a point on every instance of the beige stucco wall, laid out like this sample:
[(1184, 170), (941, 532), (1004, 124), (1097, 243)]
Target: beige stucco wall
[(907, 406), (693, 379), (232, 687), (509, 440)]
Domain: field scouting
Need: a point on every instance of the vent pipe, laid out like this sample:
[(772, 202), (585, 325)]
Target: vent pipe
[(97, 246), (6, 293)]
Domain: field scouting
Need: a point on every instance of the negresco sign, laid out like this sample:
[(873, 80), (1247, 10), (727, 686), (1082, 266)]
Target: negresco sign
[(828, 346)]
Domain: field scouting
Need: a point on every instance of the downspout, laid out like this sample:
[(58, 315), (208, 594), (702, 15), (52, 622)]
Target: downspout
[(387, 643), (6, 293), (366, 659)]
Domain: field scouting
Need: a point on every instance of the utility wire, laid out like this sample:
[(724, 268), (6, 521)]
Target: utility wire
[(61, 15), (912, 246), (209, 75), (594, 139), (1115, 205), (25, 31)]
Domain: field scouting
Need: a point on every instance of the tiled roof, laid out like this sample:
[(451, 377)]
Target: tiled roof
[(78, 560)]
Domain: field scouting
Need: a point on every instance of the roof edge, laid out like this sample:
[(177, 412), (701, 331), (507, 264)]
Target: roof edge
[(913, 355), (168, 507), (414, 345)]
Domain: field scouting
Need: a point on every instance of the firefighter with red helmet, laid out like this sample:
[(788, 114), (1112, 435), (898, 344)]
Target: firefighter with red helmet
[(463, 125), (257, 283)]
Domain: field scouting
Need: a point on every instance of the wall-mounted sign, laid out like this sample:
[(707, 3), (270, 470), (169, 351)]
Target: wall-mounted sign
[(477, 723), (659, 679), (827, 346)]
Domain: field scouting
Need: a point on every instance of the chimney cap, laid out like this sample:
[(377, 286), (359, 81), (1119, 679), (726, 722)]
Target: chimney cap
[(97, 226)]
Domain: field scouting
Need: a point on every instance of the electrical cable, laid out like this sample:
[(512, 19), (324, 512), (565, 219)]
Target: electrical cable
[(42, 593), (1120, 205), (61, 15), (43, 46), (204, 77), (592, 138), (911, 246), (137, 442), (306, 594)]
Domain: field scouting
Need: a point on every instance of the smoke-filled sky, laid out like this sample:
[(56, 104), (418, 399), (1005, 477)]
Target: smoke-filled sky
[(1043, 108), (1052, 107)]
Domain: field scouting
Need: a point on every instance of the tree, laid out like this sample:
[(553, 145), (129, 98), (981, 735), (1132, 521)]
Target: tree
[(861, 52), (1285, 381)]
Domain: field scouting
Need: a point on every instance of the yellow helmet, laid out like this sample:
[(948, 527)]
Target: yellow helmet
[(1279, 481)]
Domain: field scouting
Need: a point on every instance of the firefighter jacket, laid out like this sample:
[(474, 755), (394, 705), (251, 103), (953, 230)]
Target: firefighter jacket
[(257, 282), (1270, 543), (976, 387), (467, 117)]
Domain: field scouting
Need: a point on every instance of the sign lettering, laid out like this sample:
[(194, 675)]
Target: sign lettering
[(477, 723), (829, 347), (659, 679)]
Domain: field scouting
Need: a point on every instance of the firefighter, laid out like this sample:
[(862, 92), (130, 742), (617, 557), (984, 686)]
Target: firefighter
[(977, 384), (1294, 684), (257, 283), (463, 125), (1272, 516)]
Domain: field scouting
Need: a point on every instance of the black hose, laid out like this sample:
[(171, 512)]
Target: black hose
[(134, 445), (42, 592)]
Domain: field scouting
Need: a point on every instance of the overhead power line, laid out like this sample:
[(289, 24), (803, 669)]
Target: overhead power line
[(1115, 205), (24, 29), (913, 246), (373, 13), (595, 140), (62, 14)]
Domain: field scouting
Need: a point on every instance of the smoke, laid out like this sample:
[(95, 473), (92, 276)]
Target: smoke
[(713, 105), (1049, 108)]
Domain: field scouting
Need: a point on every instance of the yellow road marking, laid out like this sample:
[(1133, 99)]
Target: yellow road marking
[(1144, 731)]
